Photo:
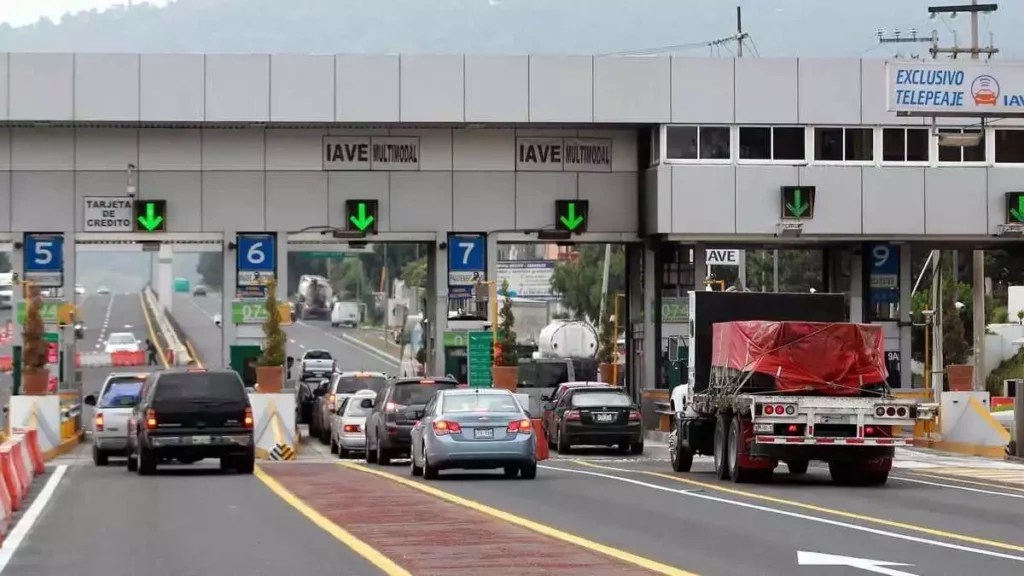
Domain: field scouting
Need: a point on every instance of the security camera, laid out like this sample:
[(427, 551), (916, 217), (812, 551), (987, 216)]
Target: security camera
[(217, 320), (958, 305)]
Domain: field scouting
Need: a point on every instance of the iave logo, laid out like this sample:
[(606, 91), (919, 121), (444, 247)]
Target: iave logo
[(985, 90)]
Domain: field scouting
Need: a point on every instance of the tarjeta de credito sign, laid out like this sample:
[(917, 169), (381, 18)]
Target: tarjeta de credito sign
[(982, 89)]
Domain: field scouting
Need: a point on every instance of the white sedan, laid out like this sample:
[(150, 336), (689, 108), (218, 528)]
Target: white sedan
[(80, 290), (103, 290), (122, 342)]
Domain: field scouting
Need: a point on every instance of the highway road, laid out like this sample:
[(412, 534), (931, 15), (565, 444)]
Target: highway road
[(196, 318)]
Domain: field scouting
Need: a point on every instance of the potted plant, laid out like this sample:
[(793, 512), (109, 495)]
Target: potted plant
[(35, 375), (606, 350), (270, 366), (505, 369)]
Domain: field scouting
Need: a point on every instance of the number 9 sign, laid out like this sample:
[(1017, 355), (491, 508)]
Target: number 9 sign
[(884, 259)]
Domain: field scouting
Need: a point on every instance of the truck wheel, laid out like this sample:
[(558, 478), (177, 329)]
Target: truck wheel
[(797, 466), (147, 462), (722, 446), (681, 456)]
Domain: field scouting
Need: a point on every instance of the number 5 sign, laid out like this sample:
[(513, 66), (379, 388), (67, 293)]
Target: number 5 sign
[(44, 259), (257, 258)]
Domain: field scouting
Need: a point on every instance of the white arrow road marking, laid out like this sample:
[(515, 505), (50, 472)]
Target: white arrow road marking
[(875, 566)]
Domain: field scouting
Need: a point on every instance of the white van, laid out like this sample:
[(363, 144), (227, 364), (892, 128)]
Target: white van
[(345, 314)]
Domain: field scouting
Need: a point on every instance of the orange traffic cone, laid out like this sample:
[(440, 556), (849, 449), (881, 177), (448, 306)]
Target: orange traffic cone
[(542, 441)]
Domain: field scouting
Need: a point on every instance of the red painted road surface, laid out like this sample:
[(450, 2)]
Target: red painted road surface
[(426, 535)]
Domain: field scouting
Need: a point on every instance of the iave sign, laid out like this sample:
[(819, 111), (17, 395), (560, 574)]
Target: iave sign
[(716, 257), (968, 89), (108, 214)]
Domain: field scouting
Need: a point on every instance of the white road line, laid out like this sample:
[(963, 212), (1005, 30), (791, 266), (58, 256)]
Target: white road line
[(15, 538), (957, 487), (749, 506)]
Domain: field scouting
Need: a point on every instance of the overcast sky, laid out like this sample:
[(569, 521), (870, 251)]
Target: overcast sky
[(19, 12)]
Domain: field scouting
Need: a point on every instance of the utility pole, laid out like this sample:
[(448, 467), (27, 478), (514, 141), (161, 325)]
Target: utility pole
[(898, 38), (978, 256), (739, 32)]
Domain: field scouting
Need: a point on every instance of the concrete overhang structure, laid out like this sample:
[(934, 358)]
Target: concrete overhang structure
[(238, 143)]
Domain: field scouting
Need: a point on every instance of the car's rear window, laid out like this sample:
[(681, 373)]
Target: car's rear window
[(121, 392), (351, 384), (317, 355), (121, 339), (354, 409), (217, 386), (413, 393), (483, 402), (586, 398)]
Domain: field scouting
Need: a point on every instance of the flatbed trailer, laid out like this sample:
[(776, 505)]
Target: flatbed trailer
[(749, 427)]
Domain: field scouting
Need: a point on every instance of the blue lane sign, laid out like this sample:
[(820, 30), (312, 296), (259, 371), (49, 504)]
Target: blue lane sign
[(257, 258), (884, 273), (467, 263), (44, 260)]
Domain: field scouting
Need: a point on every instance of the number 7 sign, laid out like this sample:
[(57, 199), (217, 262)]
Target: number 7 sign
[(467, 253)]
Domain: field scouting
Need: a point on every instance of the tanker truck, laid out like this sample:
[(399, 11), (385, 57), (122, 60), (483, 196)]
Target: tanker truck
[(566, 339), (776, 377), (313, 299)]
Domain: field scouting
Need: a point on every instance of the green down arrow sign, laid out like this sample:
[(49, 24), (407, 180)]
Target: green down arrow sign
[(798, 202), (361, 219), (572, 215), (361, 215), (149, 215), (1015, 207)]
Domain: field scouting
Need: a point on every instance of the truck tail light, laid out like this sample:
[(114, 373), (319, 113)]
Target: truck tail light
[(99, 422), (151, 419), (634, 416), (248, 419), (332, 402), (351, 428)]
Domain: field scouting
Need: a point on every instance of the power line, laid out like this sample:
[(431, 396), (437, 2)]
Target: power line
[(740, 37), (975, 50), (898, 37)]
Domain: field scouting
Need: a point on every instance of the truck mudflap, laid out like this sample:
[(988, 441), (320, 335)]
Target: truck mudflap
[(746, 459), (804, 440)]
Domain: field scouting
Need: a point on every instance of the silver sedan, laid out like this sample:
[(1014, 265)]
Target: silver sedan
[(474, 430)]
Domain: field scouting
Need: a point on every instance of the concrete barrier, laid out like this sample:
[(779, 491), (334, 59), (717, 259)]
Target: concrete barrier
[(966, 426), (274, 426), (178, 354), (40, 413)]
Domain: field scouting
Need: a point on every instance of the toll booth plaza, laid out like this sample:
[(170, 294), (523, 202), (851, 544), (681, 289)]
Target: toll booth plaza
[(467, 153)]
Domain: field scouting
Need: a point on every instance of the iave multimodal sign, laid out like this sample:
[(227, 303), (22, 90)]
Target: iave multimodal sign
[(964, 89)]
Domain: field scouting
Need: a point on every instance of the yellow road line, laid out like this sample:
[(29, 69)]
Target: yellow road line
[(192, 352), (368, 552), (821, 509), (152, 333), (543, 529), (960, 480)]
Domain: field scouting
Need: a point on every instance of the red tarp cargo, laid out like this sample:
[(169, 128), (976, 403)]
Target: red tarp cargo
[(833, 358)]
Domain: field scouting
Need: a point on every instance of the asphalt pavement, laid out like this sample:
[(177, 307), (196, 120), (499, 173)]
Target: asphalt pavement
[(195, 315), (104, 315)]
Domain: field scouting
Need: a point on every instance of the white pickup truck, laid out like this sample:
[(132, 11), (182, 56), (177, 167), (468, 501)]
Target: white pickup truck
[(316, 364)]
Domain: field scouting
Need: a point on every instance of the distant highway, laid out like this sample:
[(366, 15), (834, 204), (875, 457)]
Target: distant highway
[(196, 318)]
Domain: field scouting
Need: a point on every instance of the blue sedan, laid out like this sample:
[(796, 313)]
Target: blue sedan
[(474, 430)]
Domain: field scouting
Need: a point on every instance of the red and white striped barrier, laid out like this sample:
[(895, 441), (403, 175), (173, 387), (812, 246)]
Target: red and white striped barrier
[(21, 460), (93, 360)]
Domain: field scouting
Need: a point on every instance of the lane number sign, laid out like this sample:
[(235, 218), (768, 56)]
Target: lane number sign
[(44, 259), (257, 258), (467, 262)]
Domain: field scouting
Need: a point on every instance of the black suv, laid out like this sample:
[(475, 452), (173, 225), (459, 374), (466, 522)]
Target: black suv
[(188, 415), (395, 411)]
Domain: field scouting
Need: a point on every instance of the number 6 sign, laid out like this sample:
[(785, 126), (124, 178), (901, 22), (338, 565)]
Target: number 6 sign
[(257, 258)]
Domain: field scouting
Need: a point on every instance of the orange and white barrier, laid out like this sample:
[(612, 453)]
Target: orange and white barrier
[(93, 360), (21, 462)]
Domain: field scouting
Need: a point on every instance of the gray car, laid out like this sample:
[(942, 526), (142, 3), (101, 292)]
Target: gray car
[(474, 429)]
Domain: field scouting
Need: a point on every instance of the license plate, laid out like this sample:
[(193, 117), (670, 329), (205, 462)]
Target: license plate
[(764, 428), (483, 433), (604, 417), (833, 419), (200, 440)]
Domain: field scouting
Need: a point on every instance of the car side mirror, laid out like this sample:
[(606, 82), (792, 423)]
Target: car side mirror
[(366, 403), (89, 400), (545, 398), (549, 406)]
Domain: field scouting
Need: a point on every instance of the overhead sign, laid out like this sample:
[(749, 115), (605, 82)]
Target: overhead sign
[(530, 279), (44, 259), (371, 153), (257, 259), (564, 154), (361, 216), (883, 273), (572, 215), (797, 202), (955, 88), (107, 214), (467, 263), (717, 257), (151, 215), (1015, 207)]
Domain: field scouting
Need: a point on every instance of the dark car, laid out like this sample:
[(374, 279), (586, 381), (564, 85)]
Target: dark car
[(395, 412), (188, 415), (327, 398), (596, 416), (550, 402)]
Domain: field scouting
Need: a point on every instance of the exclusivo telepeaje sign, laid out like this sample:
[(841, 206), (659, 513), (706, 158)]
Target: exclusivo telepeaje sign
[(968, 89)]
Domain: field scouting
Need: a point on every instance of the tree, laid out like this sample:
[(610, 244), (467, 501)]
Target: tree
[(955, 343), (799, 270), (211, 269), (415, 273), (507, 340), (579, 282), (606, 338), (274, 353)]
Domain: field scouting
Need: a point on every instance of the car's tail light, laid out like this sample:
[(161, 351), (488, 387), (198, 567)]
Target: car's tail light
[(634, 416), (442, 427), (524, 426), (248, 418), (99, 422), (351, 428), (391, 407), (150, 419), (572, 415)]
